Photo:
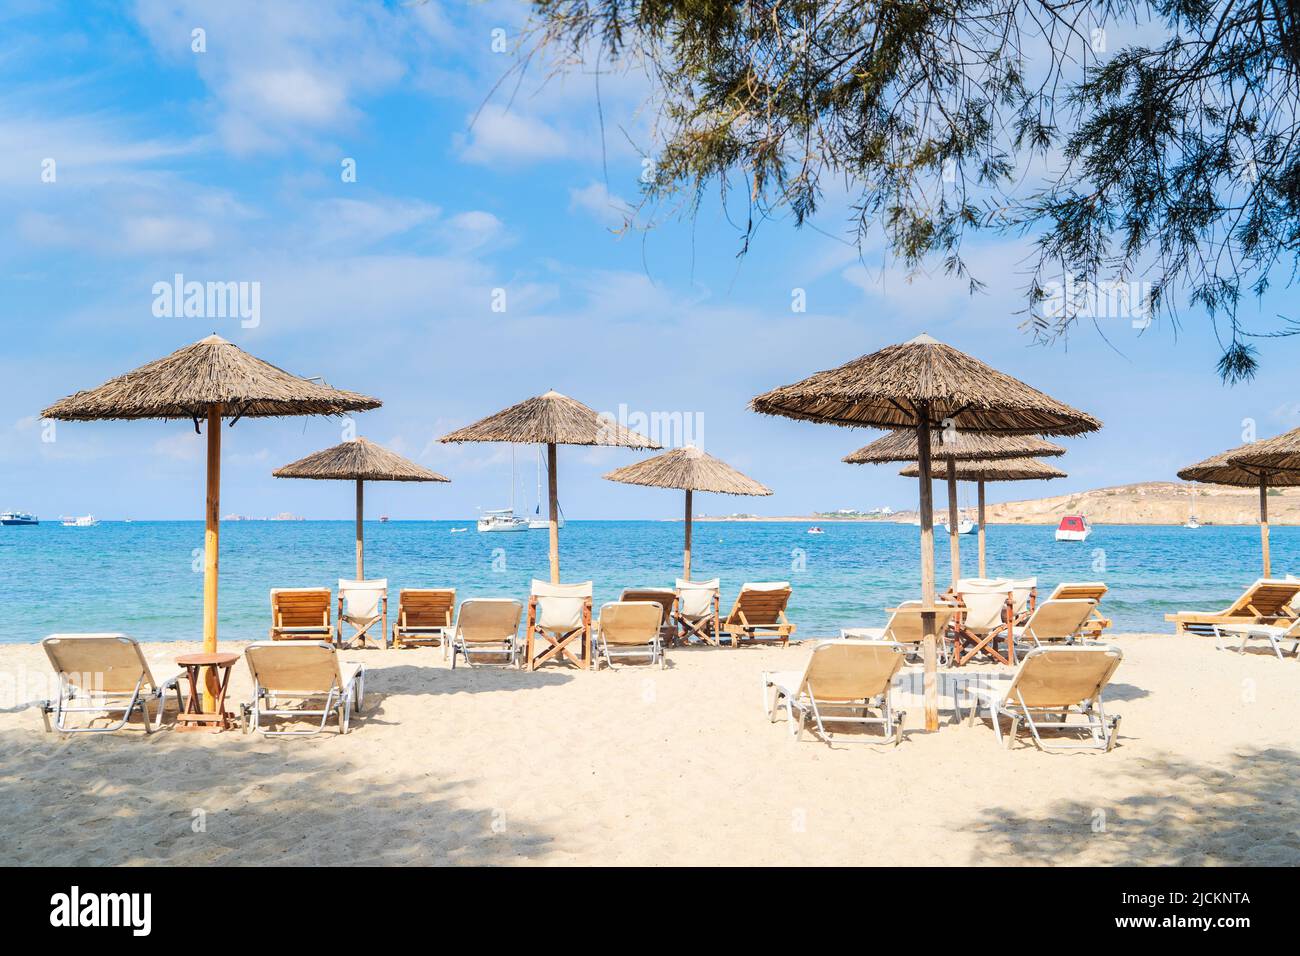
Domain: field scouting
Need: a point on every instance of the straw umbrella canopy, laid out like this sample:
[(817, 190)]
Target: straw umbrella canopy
[(209, 380), (923, 385), (1270, 463), (551, 419), (952, 448), (1011, 469), (358, 460), (691, 469)]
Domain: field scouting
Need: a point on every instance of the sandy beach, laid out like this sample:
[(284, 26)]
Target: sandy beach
[(641, 766)]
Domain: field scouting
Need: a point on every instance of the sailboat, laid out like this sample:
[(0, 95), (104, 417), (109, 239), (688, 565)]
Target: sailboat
[(504, 519), (1191, 522), (539, 521)]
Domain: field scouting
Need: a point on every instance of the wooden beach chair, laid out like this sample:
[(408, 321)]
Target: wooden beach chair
[(487, 627), (362, 605), (984, 616), (424, 616), (103, 674), (1267, 601), (630, 629), (697, 610), (905, 627), (841, 683), (301, 674), (300, 614), (560, 614), (758, 616), (1051, 685), (1086, 590), (666, 598)]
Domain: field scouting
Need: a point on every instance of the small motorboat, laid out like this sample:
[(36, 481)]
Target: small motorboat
[(1073, 528), (456, 530), (83, 521), (383, 519), (815, 530)]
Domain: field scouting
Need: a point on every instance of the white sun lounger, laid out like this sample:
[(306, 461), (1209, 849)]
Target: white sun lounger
[(102, 674), (487, 626), (630, 629), (1051, 685), (1272, 633), (842, 681), (303, 672)]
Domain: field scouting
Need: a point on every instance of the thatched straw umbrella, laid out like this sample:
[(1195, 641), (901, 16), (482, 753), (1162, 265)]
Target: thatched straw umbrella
[(690, 469), (924, 385), (1013, 469), (955, 448), (1273, 462), (358, 460), (211, 379), (551, 419)]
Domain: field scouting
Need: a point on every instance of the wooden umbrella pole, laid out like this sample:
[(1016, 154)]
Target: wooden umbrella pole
[(983, 570), (926, 508), (954, 525), (1263, 523), (211, 547), (361, 542), (686, 556), (553, 527)]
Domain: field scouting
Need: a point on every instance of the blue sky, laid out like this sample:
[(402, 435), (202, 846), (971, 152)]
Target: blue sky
[(226, 165)]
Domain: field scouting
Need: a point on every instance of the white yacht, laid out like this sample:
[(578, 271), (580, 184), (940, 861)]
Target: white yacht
[(539, 521), (18, 517), (503, 519), (83, 521), (964, 526)]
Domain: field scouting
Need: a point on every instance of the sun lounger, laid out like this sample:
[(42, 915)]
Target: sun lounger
[(666, 598), (362, 605), (1274, 634), (1267, 601), (697, 610), (300, 614), (905, 627), (1089, 590), (630, 629), (487, 627), (758, 616), (1057, 621), (560, 614), (841, 683), (103, 674), (302, 673), (983, 618), (424, 616), (1051, 685)]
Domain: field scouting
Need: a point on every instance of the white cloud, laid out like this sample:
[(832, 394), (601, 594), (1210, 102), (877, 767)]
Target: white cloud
[(181, 446), (500, 136), (473, 230), (596, 200)]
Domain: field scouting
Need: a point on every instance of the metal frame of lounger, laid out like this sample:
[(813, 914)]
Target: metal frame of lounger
[(1270, 632), (653, 648), (109, 702), (1101, 729), (339, 701), (890, 720), (512, 647)]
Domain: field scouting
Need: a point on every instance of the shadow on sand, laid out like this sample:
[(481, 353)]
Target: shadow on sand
[(1185, 814)]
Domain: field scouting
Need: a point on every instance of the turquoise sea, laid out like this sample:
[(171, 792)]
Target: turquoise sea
[(145, 577)]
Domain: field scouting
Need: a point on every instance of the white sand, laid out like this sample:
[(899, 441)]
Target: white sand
[(640, 766)]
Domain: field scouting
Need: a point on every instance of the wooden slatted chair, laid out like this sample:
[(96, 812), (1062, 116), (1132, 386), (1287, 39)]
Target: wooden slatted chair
[(758, 616), (1267, 601), (424, 616), (1085, 591), (300, 614)]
